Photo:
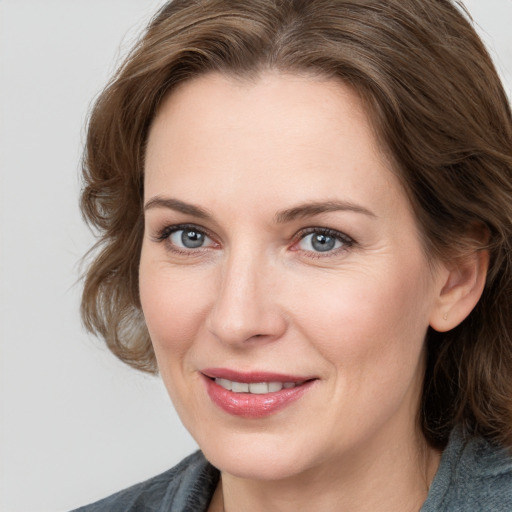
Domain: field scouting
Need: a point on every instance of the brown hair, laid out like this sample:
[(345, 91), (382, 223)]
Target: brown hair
[(439, 109)]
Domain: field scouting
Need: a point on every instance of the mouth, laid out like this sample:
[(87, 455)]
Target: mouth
[(255, 394), (256, 388)]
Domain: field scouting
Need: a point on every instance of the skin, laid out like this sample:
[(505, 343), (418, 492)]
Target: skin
[(257, 295)]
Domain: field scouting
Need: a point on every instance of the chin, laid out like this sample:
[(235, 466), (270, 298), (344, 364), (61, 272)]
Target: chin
[(259, 457)]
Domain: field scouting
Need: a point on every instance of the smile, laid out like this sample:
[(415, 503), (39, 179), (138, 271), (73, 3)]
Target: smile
[(256, 388), (256, 394)]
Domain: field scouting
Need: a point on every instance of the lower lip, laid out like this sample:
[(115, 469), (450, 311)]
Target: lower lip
[(248, 405)]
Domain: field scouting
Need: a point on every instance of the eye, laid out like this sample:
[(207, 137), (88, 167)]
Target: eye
[(324, 241), (185, 238), (189, 238)]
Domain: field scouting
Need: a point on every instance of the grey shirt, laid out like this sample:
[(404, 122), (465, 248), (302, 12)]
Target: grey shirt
[(473, 476)]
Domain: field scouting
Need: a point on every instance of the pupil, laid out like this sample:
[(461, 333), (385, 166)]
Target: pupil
[(323, 243), (192, 239)]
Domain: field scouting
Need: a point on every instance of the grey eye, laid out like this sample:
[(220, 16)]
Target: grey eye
[(189, 238), (319, 242)]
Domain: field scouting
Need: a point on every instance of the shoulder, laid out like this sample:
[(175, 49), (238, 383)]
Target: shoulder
[(474, 475), (188, 486)]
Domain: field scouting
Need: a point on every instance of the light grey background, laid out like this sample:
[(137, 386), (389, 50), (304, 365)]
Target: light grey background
[(75, 424)]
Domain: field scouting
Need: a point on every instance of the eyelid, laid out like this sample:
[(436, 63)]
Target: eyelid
[(163, 235), (346, 240)]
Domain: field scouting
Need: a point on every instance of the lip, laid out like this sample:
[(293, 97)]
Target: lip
[(248, 405), (252, 377)]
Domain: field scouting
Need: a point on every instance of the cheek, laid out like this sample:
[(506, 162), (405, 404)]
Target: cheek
[(173, 307), (367, 320)]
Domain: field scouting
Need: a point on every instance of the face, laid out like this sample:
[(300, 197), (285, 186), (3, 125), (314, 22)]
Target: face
[(282, 277)]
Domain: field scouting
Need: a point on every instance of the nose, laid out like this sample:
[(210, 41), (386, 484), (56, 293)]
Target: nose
[(246, 308)]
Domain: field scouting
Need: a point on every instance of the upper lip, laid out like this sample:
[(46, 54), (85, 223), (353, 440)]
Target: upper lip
[(252, 376)]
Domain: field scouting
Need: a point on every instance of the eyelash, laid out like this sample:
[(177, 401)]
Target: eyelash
[(164, 236), (347, 242)]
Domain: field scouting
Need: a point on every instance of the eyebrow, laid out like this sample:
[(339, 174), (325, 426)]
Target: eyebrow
[(178, 206), (316, 208), (297, 212)]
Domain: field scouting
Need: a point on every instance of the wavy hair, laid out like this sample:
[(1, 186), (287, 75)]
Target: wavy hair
[(438, 109)]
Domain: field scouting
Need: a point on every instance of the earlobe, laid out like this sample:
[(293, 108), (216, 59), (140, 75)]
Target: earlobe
[(461, 288)]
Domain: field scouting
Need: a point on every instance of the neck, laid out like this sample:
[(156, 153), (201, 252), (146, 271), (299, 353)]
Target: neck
[(394, 477)]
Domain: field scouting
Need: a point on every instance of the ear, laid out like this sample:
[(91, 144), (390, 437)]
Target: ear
[(461, 285)]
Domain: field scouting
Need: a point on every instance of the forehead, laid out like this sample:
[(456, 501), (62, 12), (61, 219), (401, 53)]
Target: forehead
[(217, 100), (296, 135)]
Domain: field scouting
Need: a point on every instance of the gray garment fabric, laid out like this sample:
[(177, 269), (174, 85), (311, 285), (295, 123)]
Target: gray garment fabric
[(187, 487), (474, 476)]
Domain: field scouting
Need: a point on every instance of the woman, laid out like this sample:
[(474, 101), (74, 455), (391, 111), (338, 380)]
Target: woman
[(305, 223)]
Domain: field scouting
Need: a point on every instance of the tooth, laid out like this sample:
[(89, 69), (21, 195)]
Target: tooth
[(258, 388), (225, 383), (275, 386), (240, 387)]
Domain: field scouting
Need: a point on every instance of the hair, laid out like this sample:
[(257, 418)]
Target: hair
[(438, 108)]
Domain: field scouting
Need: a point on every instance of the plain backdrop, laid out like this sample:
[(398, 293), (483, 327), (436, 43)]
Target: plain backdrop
[(76, 424)]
